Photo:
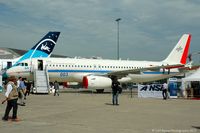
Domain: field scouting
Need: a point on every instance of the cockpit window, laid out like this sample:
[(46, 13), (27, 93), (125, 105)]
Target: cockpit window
[(22, 64)]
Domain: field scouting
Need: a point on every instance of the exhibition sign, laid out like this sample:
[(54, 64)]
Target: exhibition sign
[(150, 91)]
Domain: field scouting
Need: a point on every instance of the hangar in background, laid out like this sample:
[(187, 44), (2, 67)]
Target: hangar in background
[(11, 53)]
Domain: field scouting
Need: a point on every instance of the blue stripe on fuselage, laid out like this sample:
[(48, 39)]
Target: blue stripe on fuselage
[(101, 71), (157, 72), (78, 71)]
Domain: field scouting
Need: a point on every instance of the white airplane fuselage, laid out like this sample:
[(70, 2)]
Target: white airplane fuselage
[(73, 70), (97, 73)]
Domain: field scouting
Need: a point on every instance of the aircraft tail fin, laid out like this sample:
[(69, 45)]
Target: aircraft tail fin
[(180, 52), (43, 48)]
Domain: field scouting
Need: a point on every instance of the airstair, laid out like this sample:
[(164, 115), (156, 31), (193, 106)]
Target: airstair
[(41, 81)]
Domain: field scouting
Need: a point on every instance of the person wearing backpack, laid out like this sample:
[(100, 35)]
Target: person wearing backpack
[(11, 98), (115, 90)]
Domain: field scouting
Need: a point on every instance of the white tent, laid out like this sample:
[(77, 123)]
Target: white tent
[(187, 80), (193, 77)]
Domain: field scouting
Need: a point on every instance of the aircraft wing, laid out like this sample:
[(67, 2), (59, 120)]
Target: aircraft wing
[(123, 73), (189, 68)]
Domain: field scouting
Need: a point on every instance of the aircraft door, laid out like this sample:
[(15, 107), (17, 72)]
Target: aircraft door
[(9, 64), (40, 64)]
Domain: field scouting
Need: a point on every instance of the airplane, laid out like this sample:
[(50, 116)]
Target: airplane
[(97, 73), (43, 48)]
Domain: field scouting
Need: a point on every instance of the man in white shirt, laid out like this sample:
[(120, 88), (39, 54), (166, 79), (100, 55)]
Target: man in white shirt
[(164, 91), (11, 98)]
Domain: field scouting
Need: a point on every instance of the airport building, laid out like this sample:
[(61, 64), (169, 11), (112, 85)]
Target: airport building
[(11, 53), (8, 53)]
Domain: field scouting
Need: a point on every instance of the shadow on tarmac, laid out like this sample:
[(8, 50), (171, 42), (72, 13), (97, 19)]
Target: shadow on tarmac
[(108, 104), (196, 127)]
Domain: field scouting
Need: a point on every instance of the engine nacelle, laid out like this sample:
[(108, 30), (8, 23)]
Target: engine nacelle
[(96, 82)]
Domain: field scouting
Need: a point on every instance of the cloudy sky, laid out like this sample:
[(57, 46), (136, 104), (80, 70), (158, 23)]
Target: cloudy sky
[(149, 29)]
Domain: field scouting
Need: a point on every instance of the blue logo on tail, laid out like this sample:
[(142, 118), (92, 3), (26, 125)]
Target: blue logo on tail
[(43, 48)]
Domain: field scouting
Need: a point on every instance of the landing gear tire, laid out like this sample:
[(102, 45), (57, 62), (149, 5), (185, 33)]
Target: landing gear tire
[(34, 90), (100, 90)]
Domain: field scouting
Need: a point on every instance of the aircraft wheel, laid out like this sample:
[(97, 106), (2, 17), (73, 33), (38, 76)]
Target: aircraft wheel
[(100, 90)]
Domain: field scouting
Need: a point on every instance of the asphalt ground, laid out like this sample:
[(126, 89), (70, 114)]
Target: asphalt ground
[(85, 112)]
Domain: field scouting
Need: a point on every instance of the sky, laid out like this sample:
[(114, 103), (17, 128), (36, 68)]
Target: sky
[(148, 29)]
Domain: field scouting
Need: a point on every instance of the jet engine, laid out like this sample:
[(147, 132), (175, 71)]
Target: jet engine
[(96, 82)]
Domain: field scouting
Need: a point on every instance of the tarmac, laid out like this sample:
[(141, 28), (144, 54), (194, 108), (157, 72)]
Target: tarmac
[(93, 113)]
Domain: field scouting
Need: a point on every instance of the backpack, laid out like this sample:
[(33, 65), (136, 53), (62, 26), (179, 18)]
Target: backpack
[(119, 89)]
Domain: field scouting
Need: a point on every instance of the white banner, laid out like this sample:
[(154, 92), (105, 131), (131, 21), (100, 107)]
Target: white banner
[(150, 91)]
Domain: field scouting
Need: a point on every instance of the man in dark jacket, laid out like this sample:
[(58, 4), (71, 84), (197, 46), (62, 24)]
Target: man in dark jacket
[(56, 87), (115, 91)]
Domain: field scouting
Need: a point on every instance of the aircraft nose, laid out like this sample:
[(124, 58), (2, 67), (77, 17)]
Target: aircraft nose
[(4, 74), (9, 72)]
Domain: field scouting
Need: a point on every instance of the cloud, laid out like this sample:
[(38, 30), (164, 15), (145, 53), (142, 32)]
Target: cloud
[(89, 28)]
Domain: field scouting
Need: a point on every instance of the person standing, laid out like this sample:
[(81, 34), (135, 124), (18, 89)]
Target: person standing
[(28, 89), (115, 90), (56, 87), (164, 91), (11, 98), (18, 82), (22, 89)]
